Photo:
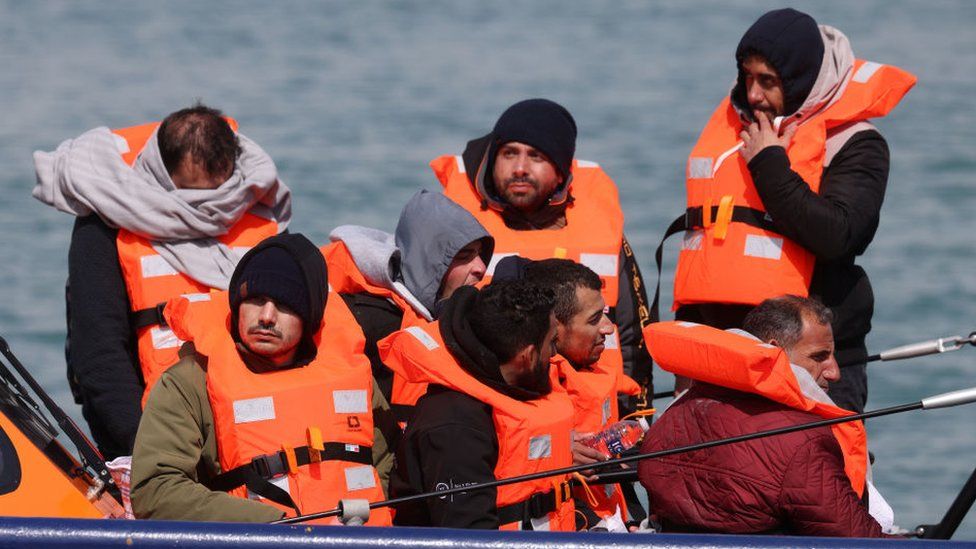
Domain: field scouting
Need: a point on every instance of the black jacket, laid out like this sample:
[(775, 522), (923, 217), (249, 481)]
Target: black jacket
[(450, 440), (103, 370)]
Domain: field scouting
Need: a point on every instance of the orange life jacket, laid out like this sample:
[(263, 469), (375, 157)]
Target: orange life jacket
[(737, 362), (594, 395), (310, 427), (150, 281), (731, 252), (533, 436), (593, 235), (345, 278), (594, 229)]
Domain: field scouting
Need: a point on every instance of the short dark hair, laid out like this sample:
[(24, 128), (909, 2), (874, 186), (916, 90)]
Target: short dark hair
[(510, 315), (563, 276), (201, 132), (781, 318)]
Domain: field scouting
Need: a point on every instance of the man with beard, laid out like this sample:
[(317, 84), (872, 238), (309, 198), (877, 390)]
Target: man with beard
[(775, 375), (490, 412), (592, 377), (522, 183), (785, 186)]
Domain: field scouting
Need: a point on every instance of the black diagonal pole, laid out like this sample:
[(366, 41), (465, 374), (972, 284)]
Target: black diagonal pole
[(944, 400)]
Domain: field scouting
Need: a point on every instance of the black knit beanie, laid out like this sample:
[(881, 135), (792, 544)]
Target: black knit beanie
[(273, 273), (790, 42), (543, 124)]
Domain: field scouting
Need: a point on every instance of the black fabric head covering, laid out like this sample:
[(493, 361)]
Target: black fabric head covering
[(790, 42), (289, 269), (541, 123)]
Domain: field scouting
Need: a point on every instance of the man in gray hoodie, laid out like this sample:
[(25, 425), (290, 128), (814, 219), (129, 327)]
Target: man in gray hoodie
[(392, 281)]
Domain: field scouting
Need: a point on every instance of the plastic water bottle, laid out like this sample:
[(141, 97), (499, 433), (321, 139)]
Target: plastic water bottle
[(617, 438)]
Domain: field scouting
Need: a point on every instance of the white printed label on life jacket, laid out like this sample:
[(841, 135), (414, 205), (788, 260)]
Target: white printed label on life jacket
[(495, 258), (423, 337), (540, 447), (460, 163), (164, 338), (606, 411), (254, 409), (120, 143), (692, 239), (612, 341), (540, 524), (686, 324), (866, 71), (699, 167), (155, 265), (602, 264), (350, 402), (609, 490), (359, 478), (586, 164), (280, 482), (196, 297), (763, 246)]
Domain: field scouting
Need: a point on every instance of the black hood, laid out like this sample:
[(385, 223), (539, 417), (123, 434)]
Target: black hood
[(469, 351), (312, 264), (790, 42)]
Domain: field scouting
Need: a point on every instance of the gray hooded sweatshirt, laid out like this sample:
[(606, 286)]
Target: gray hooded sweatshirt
[(431, 231)]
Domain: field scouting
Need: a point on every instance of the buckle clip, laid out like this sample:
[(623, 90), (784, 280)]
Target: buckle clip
[(269, 465)]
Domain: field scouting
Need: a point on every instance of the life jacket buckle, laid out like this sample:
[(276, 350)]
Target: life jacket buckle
[(269, 465), (563, 492)]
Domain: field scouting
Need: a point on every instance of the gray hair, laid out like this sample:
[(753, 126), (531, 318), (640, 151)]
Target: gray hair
[(781, 318)]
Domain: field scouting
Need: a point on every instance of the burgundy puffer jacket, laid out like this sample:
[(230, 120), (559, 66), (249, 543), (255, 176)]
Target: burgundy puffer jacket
[(786, 484)]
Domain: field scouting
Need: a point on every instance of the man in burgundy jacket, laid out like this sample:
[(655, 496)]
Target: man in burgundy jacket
[(792, 484)]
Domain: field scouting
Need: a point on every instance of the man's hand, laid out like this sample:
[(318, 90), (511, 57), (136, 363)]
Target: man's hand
[(584, 455), (759, 135)]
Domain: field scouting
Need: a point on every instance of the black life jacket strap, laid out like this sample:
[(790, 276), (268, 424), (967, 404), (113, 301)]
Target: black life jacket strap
[(150, 316), (255, 475), (535, 506)]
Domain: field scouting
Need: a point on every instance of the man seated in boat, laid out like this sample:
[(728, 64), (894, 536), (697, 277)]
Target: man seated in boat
[(490, 412), (391, 281), (809, 482), (163, 209), (592, 377), (268, 412)]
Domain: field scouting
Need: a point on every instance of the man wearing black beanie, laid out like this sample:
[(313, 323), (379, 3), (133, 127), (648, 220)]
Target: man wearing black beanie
[(523, 184), (785, 186), (268, 412)]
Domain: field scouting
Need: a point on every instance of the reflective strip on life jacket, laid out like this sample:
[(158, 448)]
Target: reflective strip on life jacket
[(151, 281), (325, 405), (743, 364), (533, 436), (729, 260)]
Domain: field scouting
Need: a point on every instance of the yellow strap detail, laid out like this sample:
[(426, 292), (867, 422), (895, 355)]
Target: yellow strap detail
[(586, 489), (724, 217), (559, 253), (313, 438), (290, 458), (707, 212)]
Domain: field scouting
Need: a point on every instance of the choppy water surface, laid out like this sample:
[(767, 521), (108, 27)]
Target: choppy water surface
[(353, 99)]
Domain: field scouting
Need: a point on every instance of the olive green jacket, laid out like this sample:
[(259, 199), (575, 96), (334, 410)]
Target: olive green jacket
[(176, 452)]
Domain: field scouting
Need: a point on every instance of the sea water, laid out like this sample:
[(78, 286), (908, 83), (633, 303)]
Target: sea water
[(352, 99)]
